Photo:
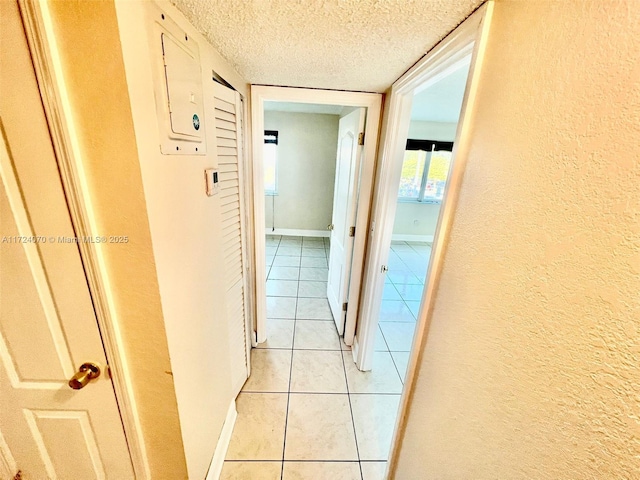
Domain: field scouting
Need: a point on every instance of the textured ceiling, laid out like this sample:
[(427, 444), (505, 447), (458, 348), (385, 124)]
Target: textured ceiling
[(362, 45)]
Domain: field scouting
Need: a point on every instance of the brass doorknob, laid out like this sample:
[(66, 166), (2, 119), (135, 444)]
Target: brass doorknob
[(86, 373), (330, 227)]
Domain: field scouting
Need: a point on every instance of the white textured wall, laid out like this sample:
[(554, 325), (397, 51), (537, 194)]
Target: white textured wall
[(306, 152), (413, 218), (532, 365), (186, 234), (443, 131)]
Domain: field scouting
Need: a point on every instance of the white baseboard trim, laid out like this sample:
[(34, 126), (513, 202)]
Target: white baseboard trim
[(411, 238), (217, 462), (289, 232)]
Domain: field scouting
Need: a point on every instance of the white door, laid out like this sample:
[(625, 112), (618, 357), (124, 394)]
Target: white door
[(47, 322), (228, 115), (343, 221)]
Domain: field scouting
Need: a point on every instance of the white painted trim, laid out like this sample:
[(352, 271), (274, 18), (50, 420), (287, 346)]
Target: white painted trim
[(8, 465), (217, 462), (373, 103), (442, 58), (49, 71), (396, 237), (474, 30), (246, 269), (289, 232)]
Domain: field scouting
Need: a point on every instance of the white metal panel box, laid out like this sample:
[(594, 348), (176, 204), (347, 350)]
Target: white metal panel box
[(184, 89), (178, 89)]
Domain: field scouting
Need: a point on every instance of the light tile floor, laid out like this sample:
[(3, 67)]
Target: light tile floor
[(401, 297), (307, 412)]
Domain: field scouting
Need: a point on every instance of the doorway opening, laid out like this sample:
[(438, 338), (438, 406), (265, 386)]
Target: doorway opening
[(311, 161), (424, 174), (313, 157)]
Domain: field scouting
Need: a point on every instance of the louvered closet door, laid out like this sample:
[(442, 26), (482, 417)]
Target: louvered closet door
[(228, 113)]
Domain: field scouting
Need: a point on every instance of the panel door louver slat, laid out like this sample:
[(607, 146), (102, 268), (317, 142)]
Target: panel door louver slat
[(221, 104), (227, 142), (224, 125), (227, 151), (228, 176), (227, 148), (222, 115), (224, 168), (228, 199), (225, 134)]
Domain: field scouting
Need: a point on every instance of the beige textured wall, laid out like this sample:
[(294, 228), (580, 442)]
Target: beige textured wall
[(307, 145), (530, 370), (87, 36), (185, 227)]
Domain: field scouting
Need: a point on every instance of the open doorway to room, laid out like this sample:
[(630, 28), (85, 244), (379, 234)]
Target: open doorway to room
[(300, 156), (314, 156), (420, 191)]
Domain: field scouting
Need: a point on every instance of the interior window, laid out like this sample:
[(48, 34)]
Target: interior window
[(424, 170), (270, 162)]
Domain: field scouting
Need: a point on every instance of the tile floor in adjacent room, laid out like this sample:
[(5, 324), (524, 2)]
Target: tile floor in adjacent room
[(306, 412)]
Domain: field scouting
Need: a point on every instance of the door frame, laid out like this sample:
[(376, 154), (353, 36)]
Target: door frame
[(48, 68), (470, 37), (467, 39), (373, 103)]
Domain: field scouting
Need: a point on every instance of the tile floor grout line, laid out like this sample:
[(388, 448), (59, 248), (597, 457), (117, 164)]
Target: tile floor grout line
[(293, 339), (353, 422), (322, 393), (383, 337), (397, 371)]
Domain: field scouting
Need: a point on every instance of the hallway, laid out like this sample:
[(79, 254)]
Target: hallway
[(306, 412)]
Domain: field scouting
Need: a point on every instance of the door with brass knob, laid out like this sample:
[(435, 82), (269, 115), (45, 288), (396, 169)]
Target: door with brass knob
[(48, 325), (86, 373)]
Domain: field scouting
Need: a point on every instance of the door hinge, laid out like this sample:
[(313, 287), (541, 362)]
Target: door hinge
[(344, 306), (361, 138), (352, 231)]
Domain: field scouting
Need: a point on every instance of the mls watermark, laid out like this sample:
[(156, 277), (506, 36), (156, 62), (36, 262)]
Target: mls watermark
[(97, 239)]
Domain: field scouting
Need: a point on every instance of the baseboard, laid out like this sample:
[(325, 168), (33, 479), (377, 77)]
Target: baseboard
[(289, 232), (411, 238), (217, 462)]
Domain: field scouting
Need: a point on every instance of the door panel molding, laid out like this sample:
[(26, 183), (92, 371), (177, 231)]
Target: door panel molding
[(82, 418), (48, 67), (8, 465), (24, 229)]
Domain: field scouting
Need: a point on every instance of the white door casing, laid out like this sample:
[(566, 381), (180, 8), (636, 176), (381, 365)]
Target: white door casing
[(372, 103), (345, 196), (48, 326)]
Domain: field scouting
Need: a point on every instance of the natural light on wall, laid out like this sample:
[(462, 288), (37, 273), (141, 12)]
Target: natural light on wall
[(270, 165), (424, 174)]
